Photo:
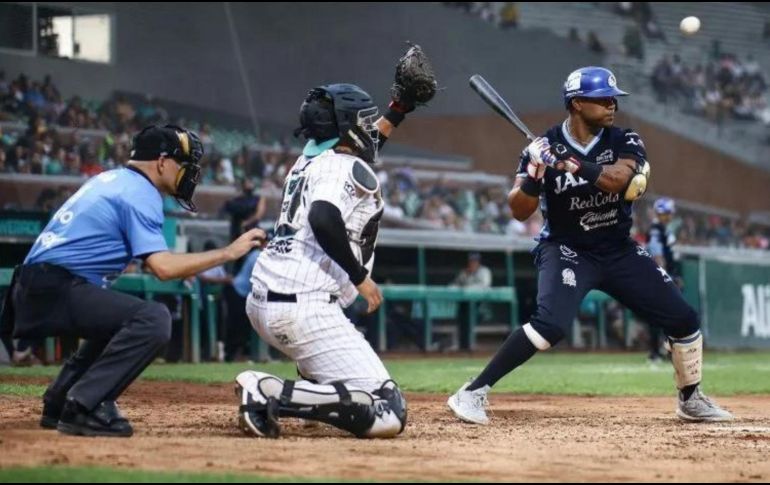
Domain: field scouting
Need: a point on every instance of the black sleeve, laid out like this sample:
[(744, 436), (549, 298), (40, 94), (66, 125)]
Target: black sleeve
[(329, 229), (381, 141), (631, 146)]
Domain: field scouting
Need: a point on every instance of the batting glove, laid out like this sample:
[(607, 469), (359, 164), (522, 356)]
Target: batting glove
[(540, 152)]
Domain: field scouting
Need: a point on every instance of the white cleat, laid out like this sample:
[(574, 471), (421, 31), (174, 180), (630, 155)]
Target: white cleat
[(700, 408), (470, 406)]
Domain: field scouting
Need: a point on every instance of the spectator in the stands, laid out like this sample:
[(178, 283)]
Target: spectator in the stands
[(594, 44), (72, 164), (393, 209), (239, 166), (245, 210), (509, 16), (4, 87), (474, 275), (224, 172), (573, 35), (36, 163), (47, 201), (34, 97), (17, 157), (632, 42)]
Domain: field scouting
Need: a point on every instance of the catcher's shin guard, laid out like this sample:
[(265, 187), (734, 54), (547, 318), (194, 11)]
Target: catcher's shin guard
[(354, 410)]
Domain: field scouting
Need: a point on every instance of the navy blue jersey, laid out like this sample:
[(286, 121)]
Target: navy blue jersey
[(577, 213), (659, 243)]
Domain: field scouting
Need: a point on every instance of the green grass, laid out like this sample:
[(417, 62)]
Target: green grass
[(626, 374), (118, 475), (7, 389)]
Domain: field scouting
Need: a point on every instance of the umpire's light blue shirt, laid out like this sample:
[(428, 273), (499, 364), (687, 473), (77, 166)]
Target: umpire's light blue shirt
[(116, 216), (242, 281)]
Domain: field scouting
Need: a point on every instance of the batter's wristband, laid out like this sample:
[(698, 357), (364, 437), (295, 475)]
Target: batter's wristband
[(589, 171), (531, 187), (395, 117)]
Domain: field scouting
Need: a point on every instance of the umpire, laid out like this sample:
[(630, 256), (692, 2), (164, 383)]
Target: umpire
[(60, 288)]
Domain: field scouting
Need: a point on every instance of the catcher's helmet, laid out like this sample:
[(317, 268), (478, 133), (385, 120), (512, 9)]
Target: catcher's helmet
[(338, 111), (591, 82)]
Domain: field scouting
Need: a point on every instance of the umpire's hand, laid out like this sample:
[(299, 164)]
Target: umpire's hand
[(371, 292), (249, 240)]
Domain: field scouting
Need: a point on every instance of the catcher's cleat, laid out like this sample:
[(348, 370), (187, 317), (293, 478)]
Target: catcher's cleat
[(257, 417)]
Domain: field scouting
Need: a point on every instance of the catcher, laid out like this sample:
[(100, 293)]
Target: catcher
[(320, 261)]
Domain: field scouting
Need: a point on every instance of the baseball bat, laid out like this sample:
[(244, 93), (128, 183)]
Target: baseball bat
[(501, 107), (497, 103)]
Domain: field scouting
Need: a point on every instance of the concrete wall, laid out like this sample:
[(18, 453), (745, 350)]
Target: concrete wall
[(184, 52)]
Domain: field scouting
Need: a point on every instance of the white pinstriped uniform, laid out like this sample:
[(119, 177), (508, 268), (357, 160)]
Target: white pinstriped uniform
[(313, 331)]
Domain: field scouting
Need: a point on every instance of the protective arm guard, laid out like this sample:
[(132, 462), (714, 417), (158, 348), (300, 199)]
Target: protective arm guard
[(637, 186)]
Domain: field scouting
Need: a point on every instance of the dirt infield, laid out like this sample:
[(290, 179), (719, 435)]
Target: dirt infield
[(190, 427)]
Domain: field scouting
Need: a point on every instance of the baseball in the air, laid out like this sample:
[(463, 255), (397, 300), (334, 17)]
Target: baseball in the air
[(689, 25)]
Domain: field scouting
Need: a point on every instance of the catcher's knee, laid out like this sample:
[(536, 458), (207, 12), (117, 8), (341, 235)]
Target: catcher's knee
[(543, 335)]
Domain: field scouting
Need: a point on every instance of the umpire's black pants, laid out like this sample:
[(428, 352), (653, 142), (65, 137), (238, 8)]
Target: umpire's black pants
[(626, 272), (122, 333), (238, 332)]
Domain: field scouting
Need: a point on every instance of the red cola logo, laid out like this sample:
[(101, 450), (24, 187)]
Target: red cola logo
[(593, 202)]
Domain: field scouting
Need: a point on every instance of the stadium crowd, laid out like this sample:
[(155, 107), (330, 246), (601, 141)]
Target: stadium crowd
[(80, 138), (722, 88)]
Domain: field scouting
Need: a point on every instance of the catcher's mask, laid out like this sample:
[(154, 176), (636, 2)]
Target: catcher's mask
[(339, 114), (174, 142)]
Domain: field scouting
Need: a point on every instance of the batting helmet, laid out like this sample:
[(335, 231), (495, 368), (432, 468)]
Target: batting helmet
[(330, 112), (591, 82), (664, 205)]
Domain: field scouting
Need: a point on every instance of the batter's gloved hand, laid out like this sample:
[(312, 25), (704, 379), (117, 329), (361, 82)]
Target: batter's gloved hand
[(540, 153), (415, 83), (535, 169)]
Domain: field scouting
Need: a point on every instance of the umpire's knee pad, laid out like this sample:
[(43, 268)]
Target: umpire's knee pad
[(157, 320), (543, 335)]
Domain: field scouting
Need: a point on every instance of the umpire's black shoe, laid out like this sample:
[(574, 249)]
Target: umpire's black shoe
[(104, 420), (51, 414)]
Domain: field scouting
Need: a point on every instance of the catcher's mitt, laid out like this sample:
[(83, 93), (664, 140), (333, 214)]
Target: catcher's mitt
[(415, 81)]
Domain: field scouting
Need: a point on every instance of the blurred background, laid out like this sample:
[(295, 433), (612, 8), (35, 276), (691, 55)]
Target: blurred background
[(77, 80)]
